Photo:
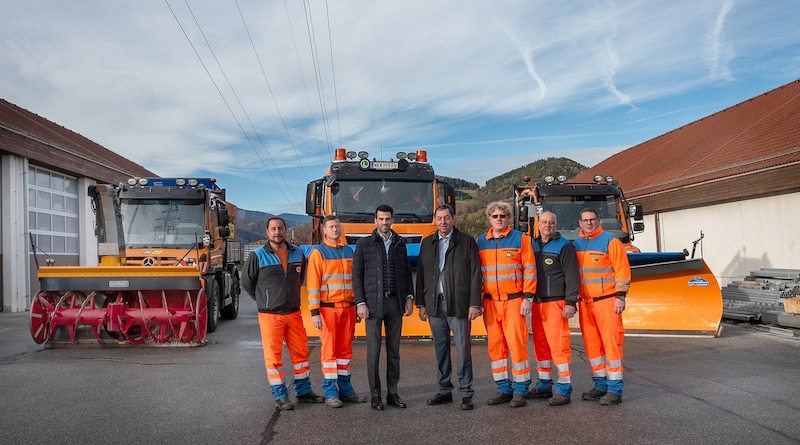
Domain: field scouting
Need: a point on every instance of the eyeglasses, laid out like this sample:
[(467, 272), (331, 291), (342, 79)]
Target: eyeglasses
[(498, 216), (589, 221)]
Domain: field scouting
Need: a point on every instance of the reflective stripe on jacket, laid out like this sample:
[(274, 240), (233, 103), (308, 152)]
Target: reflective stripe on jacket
[(330, 275), (603, 264), (507, 265)]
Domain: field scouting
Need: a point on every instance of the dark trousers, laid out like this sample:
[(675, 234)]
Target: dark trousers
[(461, 327), (392, 321)]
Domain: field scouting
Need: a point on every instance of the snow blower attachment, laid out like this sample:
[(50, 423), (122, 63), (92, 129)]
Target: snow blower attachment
[(162, 276)]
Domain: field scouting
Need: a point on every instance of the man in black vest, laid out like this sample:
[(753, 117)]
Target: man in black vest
[(384, 293)]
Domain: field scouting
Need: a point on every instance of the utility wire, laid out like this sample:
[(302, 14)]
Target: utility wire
[(269, 87), (315, 59), (333, 73), (200, 59)]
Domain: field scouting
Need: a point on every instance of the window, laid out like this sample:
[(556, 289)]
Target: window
[(53, 211)]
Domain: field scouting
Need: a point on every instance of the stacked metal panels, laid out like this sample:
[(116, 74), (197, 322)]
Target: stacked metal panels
[(759, 297)]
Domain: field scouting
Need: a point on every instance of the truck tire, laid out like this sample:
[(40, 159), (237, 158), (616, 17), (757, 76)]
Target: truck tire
[(212, 292), (231, 311)]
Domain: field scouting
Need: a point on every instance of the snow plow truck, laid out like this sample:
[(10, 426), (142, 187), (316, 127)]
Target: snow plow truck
[(670, 294), (355, 185), (167, 269)]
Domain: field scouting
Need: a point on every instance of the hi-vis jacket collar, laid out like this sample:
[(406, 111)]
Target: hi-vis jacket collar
[(490, 235)]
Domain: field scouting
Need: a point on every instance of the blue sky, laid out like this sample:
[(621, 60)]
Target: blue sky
[(260, 93)]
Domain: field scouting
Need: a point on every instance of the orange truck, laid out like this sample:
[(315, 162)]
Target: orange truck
[(670, 294), (167, 269), (355, 185)]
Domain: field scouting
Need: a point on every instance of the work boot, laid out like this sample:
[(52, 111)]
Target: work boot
[(284, 404), (499, 398), (333, 402), (466, 403), (353, 398), (518, 401), (537, 393), (594, 394), (610, 399), (558, 400), (310, 397)]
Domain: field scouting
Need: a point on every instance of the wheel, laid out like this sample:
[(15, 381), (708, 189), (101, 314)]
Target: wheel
[(41, 308), (231, 311), (212, 292)]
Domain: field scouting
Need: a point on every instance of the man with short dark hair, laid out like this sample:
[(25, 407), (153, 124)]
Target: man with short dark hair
[(272, 276), (384, 294)]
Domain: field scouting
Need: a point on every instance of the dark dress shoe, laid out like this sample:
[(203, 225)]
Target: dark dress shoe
[(377, 403), (466, 403), (441, 399), (395, 400)]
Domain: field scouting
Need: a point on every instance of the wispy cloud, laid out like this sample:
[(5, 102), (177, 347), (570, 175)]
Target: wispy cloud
[(720, 55)]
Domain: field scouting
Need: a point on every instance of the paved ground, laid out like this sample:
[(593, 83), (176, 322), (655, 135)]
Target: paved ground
[(741, 388)]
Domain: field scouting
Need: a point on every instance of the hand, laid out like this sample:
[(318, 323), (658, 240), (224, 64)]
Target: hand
[(474, 312), (316, 320), (525, 308), (409, 307), (423, 314), (362, 311), (569, 311), (619, 306)]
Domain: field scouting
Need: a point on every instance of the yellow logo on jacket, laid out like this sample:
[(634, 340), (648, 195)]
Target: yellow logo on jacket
[(548, 261)]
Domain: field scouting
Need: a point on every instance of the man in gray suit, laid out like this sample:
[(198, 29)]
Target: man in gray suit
[(449, 298)]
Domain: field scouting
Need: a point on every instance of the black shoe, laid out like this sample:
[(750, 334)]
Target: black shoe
[(377, 404), (441, 399), (610, 399), (284, 404), (536, 393), (466, 403), (310, 397), (395, 400)]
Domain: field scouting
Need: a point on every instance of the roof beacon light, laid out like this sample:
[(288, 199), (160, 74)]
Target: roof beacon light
[(339, 154), (422, 156)]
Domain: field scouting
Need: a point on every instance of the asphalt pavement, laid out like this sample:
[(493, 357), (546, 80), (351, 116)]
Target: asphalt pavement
[(740, 388)]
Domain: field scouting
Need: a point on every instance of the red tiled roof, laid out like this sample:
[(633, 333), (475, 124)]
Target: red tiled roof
[(31, 126), (758, 134)]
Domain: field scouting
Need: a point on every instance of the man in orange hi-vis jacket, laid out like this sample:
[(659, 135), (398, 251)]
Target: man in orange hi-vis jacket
[(509, 283), (332, 304), (605, 281)]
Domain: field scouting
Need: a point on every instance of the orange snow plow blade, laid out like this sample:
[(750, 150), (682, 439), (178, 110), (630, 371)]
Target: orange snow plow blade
[(672, 299), (413, 327)]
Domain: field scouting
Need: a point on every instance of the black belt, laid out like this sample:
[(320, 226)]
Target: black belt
[(592, 300), (389, 294), (337, 304)]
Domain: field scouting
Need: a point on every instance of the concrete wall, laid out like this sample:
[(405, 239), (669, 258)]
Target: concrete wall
[(739, 236)]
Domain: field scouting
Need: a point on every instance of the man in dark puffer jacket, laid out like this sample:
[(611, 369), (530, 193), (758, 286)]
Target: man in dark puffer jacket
[(384, 293)]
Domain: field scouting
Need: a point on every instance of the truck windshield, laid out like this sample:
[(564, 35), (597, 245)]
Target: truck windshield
[(568, 210), (164, 223), (356, 200)]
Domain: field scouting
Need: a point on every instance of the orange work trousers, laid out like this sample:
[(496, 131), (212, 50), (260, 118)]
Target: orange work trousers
[(274, 329), (603, 335), (507, 330), (551, 342), (337, 334)]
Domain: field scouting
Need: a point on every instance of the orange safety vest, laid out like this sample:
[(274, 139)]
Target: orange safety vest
[(330, 276), (508, 265), (603, 264)]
